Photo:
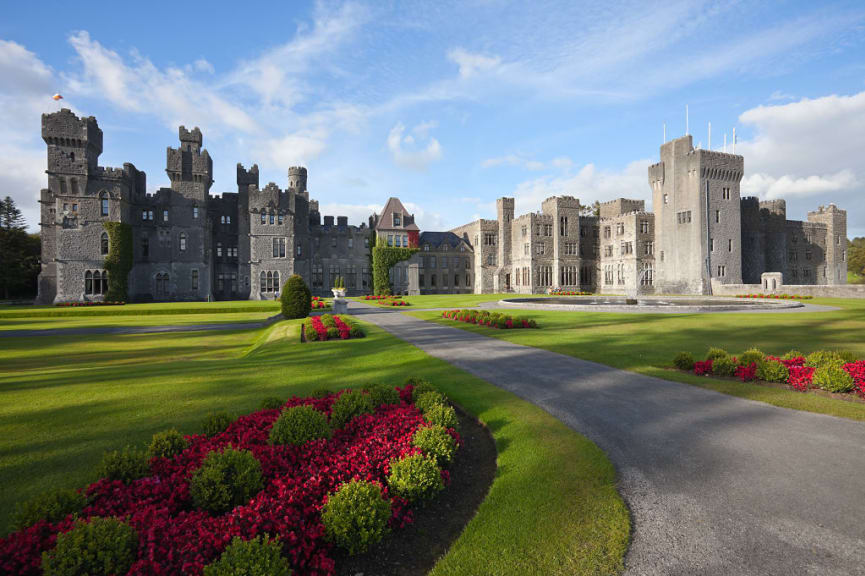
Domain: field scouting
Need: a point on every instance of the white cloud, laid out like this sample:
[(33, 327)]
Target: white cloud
[(560, 162), (770, 187), (406, 154), (471, 63), (360, 213), (202, 65)]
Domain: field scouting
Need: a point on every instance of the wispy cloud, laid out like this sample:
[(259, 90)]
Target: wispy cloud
[(408, 153)]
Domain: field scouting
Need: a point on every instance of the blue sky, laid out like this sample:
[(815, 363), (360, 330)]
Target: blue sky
[(448, 105)]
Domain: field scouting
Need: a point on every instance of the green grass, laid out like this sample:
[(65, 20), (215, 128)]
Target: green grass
[(552, 509), (853, 278), (646, 343), (156, 308), (103, 321), (455, 300)]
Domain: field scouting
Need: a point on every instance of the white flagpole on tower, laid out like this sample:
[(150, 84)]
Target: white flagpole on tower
[(686, 120), (734, 140)]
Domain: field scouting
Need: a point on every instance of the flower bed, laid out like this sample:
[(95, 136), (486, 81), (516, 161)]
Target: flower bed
[(387, 302), (775, 296), (88, 303), (174, 536), (318, 303), (832, 371), (328, 327), (569, 293), (379, 297), (491, 319)]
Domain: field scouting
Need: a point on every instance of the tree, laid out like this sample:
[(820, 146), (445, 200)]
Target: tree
[(296, 299), (19, 253), (856, 256), (10, 215), (593, 210)]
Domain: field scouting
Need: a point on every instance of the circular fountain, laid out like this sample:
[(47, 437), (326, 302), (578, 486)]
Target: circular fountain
[(648, 304)]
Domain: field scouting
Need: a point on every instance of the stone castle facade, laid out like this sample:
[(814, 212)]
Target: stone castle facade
[(191, 245)]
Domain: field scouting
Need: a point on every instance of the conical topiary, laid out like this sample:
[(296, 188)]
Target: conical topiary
[(296, 299)]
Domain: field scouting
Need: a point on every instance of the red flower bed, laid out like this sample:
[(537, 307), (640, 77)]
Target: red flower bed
[(491, 319), (384, 302), (800, 377), (176, 538), (374, 297), (856, 370), (746, 373), (569, 293), (318, 304), (775, 296), (319, 325), (703, 367)]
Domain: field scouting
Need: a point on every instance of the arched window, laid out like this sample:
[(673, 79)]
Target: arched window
[(88, 282), (276, 281), (104, 287), (183, 241), (162, 285), (262, 284), (103, 244), (104, 203), (269, 282), (271, 217)]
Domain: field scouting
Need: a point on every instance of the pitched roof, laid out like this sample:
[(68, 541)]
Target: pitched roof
[(436, 239), (385, 219)]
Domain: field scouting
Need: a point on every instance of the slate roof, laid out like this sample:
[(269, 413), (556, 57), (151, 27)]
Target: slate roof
[(436, 239), (385, 219)]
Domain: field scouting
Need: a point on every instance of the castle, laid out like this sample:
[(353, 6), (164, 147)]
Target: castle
[(190, 245)]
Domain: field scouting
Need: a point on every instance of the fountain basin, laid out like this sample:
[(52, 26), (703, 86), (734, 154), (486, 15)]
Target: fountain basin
[(649, 304)]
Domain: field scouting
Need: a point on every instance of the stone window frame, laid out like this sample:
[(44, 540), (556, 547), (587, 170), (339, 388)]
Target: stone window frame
[(95, 282), (103, 202), (182, 243), (104, 244), (194, 279)]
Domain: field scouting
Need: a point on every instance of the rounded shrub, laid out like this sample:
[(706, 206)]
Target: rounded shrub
[(215, 423), (333, 333), (793, 354), (99, 547), (415, 477), (321, 393), (310, 332), (225, 480), (825, 358), (684, 361), (260, 556), (751, 355), (426, 400), (833, 379), (771, 371), (442, 415), (724, 366), (382, 394), (356, 331), (436, 442), (125, 465), (350, 403), (298, 425), (355, 517), (52, 506), (271, 403), (296, 299), (166, 444), (419, 386), (716, 353)]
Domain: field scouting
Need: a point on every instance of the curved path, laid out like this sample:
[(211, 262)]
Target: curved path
[(716, 484)]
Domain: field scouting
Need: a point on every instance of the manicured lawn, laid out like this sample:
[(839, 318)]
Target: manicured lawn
[(553, 507), (156, 308), (102, 320), (646, 343)]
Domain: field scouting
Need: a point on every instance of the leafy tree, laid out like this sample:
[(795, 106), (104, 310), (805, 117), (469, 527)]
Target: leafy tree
[(856, 256), (19, 253), (593, 210)]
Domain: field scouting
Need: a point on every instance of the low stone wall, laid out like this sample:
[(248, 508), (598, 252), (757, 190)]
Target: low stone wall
[(817, 291)]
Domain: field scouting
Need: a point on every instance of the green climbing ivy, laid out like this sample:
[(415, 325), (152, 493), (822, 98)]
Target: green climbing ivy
[(118, 263), (383, 259)]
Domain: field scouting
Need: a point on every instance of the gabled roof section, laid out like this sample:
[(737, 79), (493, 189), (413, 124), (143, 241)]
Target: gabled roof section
[(437, 239), (385, 219)]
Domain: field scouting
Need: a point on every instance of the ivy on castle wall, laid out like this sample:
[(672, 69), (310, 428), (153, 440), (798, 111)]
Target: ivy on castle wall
[(118, 262), (383, 259)]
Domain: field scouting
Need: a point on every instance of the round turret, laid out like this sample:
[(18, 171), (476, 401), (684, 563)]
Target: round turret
[(297, 178)]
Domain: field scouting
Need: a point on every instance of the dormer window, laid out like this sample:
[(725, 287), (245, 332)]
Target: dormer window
[(426, 247), (397, 219)]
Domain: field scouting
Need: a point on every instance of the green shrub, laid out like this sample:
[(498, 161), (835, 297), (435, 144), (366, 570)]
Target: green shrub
[(793, 354), (259, 556), (310, 332), (382, 394), (100, 546), (771, 371), (824, 358), (441, 415), (833, 379), (215, 423), (271, 403), (724, 366), (166, 444), (751, 355), (125, 465), (350, 404), (684, 361), (415, 477), (847, 356), (419, 386), (52, 506), (436, 442), (716, 353), (333, 333), (225, 480), (321, 393), (356, 331), (298, 425), (426, 400), (295, 299), (355, 517)]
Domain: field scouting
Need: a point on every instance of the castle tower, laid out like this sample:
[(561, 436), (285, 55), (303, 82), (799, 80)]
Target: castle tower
[(189, 167), (565, 211), (74, 144), (773, 222), (297, 180), (505, 217), (246, 178), (835, 220), (698, 239)]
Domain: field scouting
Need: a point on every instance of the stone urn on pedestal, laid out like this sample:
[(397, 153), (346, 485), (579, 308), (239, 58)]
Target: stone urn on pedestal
[(340, 304)]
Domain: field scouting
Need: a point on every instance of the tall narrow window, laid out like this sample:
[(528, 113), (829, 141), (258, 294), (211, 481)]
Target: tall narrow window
[(262, 283), (195, 212), (279, 218), (219, 249), (145, 248), (88, 282), (103, 244), (195, 279), (276, 281), (105, 206), (271, 217), (263, 217), (182, 241), (165, 215)]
